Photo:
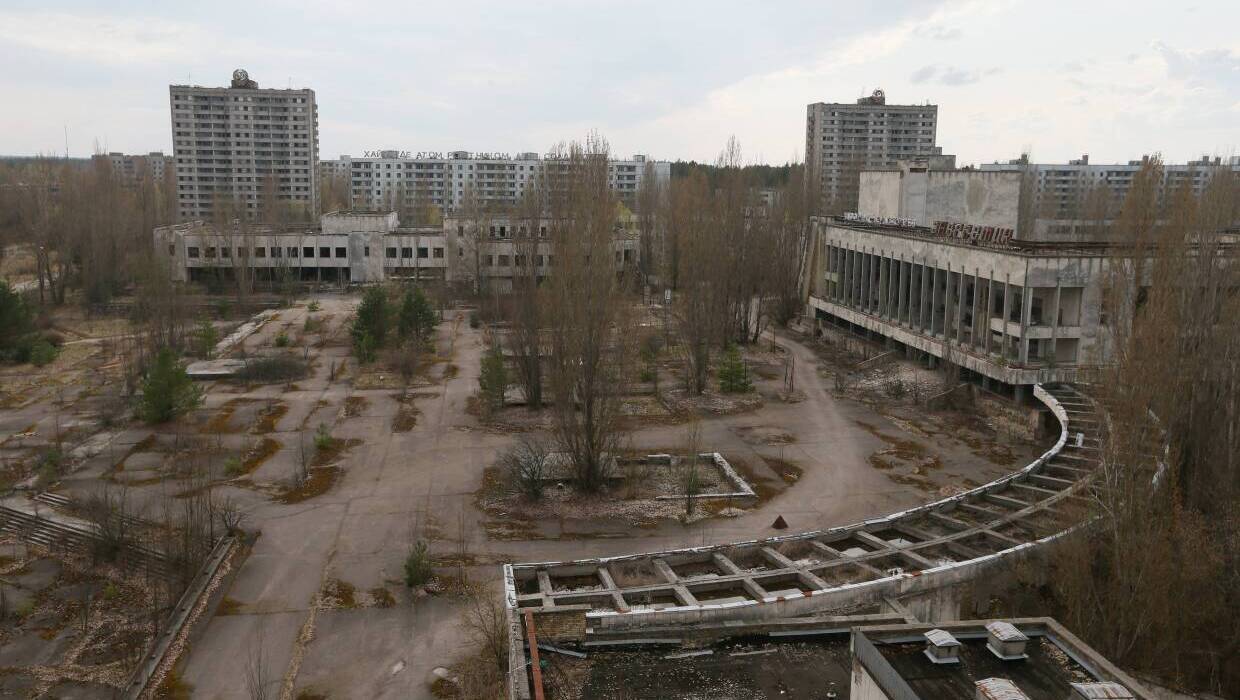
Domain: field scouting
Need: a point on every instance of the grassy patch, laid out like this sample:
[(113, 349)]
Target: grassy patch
[(355, 406), (263, 451), (383, 597), (328, 451), (406, 415), (319, 482), (223, 416), (786, 470), (339, 594), (269, 418)]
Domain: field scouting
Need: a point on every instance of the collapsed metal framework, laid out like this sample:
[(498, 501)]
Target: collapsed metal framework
[(921, 549)]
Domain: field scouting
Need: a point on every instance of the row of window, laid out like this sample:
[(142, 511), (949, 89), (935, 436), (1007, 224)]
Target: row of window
[(275, 251), (423, 252)]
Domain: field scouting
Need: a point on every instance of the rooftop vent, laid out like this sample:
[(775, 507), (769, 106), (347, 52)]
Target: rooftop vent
[(1005, 641), (998, 689), (1100, 691), (942, 648)]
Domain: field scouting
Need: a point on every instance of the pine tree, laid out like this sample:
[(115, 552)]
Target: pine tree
[(733, 374), (425, 316), (371, 324), (407, 318), (167, 391), (16, 325), (493, 378)]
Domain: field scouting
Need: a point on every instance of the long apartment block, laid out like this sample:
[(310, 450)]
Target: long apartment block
[(353, 247), (402, 180)]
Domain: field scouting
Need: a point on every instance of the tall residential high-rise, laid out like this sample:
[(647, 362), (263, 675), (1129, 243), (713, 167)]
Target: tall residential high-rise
[(843, 139), (239, 149)]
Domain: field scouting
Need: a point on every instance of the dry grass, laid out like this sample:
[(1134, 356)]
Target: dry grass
[(269, 418), (355, 406), (263, 451), (319, 482)]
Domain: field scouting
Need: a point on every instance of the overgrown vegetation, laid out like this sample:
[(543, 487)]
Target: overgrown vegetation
[(733, 373), (417, 566), (526, 466), (205, 338), (268, 370), (1155, 585), (17, 336), (167, 391), (493, 377)]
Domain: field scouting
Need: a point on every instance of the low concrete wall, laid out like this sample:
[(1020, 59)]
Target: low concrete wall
[(849, 595)]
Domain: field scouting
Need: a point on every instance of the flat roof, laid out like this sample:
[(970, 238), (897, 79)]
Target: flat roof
[(758, 668), (894, 656), (1045, 675)]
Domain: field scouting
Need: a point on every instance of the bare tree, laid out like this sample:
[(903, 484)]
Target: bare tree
[(525, 339), (587, 312)]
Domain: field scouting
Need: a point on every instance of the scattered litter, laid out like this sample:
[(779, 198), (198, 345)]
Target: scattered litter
[(560, 650), (689, 654), (755, 652)]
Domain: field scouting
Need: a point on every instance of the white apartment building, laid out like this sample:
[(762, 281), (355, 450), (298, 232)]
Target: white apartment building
[(404, 180), (240, 143), (132, 168), (843, 139), (1071, 201)]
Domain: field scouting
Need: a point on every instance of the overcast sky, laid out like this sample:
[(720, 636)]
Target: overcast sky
[(670, 78)]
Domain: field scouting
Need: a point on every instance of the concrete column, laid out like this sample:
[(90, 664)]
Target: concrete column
[(1026, 308), (934, 298), (921, 296), (845, 261), (1007, 311), (901, 286), (854, 279), (990, 308), (947, 302), (959, 307), (881, 306), (977, 292), (1055, 320), (867, 268)]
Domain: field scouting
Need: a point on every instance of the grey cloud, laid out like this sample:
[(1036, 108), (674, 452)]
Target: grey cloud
[(1208, 67), (939, 32), (923, 74), (950, 75)]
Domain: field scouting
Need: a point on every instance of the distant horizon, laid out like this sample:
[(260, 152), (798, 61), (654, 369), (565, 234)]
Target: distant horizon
[(618, 156)]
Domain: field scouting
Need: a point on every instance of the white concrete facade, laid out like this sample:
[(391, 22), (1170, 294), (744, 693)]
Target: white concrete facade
[(914, 191), (1061, 192), (395, 179), (366, 247), (1009, 314)]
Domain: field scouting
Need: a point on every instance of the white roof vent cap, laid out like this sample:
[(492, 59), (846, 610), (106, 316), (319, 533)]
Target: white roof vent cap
[(1005, 641), (942, 647), (998, 689), (1107, 690)]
